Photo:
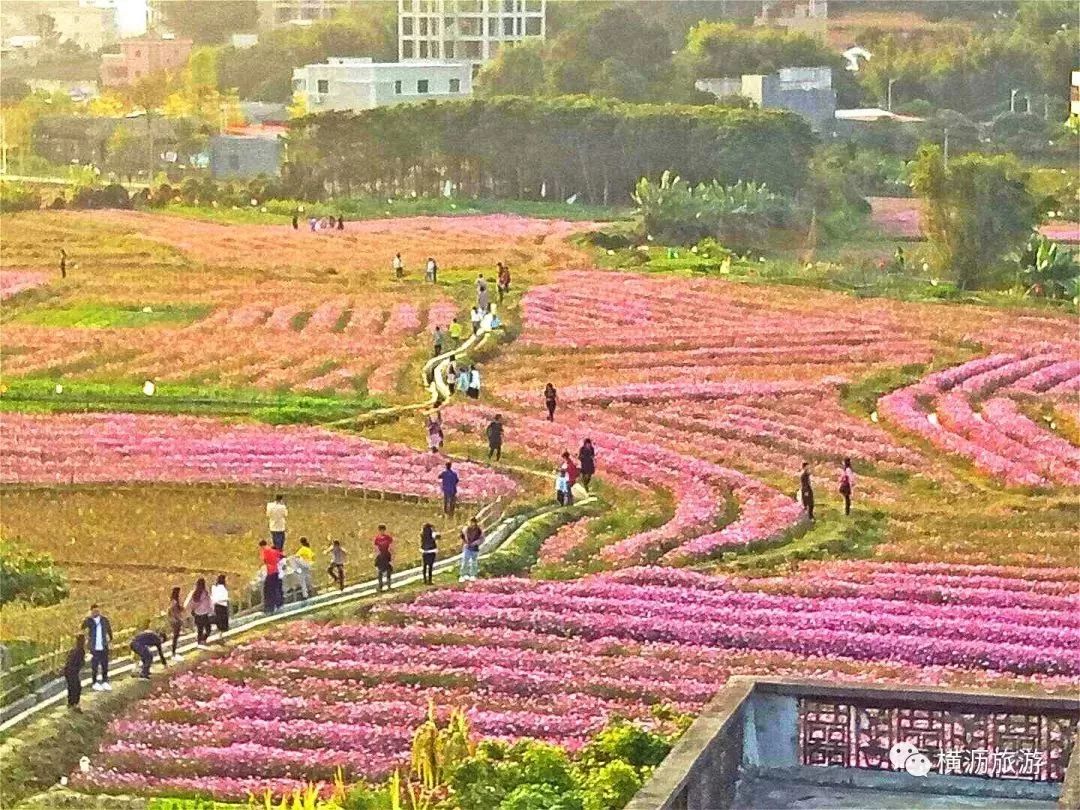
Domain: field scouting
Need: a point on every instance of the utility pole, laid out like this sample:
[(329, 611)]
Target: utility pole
[(946, 148), (888, 103)]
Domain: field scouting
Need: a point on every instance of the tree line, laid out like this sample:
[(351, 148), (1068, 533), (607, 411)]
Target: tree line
[(535, 148)]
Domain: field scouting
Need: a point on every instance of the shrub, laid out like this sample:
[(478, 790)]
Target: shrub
[(17, 197), (622, 741), (611, 787), (738, 216), (1045, 269), (30, 577)]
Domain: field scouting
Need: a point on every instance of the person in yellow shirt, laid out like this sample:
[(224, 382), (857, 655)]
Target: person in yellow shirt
[(305, 555), (456, 333)]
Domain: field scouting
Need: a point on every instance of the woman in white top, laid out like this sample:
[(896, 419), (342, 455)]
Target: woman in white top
[(473, 391), (219, 595)]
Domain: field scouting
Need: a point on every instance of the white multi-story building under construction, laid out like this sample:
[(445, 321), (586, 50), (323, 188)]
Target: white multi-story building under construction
[(466, 30)]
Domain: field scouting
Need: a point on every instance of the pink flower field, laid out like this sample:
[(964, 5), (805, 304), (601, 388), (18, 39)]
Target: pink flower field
[(998, 439), (553, 661), (13, 282), (900, 217), (102, 448)]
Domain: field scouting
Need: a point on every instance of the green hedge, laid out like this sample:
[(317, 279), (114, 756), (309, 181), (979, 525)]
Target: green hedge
[(526, 148), (520, 551), (29, 577)]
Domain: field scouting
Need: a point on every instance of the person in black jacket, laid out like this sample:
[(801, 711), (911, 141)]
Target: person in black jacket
[(587, 466), (73, 672), (806, 490), (142, 645), (429, 547), (495, 438), (98, 639)]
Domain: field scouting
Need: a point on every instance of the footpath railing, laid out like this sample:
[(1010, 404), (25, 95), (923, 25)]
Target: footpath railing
[(22, 684), (499, 529)]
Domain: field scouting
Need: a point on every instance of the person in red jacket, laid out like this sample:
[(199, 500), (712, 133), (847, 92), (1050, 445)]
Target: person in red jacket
[(273, 593), (383, 563), (572, 471)]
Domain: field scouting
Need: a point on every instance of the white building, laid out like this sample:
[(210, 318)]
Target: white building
[(471, 30), (1074, 94), (278, 13), (360, 84)]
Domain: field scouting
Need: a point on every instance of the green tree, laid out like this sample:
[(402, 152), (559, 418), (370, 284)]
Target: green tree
[(1042, 18), (264, 71), (976, 210), (516, 71), (209, 23), (722, 50)]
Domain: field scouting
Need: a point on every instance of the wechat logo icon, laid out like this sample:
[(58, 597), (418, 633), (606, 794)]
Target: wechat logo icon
[(906, 757)]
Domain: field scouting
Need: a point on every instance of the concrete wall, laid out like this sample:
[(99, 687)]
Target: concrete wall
[(233, 156)]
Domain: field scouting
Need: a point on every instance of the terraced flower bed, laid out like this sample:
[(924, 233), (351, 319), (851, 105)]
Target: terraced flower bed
[(553, 661)]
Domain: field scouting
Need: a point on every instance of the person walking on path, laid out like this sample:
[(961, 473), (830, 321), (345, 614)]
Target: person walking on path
[(431, 272), (337, 564), (473, 391), (219, 598), (98, 637), (295, 221), (434, 431), (472, 537), (176, 621), (495, 438), (429, 547), (503, 281), (272, 592), (572, 471), (202, 610), (476, 317), (142, 645), (806, 490), (847, 484), (276, 512), (448, 480), (384, 564), (437, 342), (463, 378), (587, 461), (551, 401), (456, 333), (340, 222), (73, 665), (562, 488), (63, 263), (399, 266), (305, 556), (483, 297)]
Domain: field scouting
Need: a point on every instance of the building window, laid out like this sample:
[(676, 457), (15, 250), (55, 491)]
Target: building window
[(508, 27), (472, 50), (397, 87), (532, 26), (434, 50), (423, 26), (422, 86), (322, 86), (424, 49), (493, 26), (406, 26), (455, 85), (407, 49), (450, 50)]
